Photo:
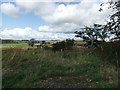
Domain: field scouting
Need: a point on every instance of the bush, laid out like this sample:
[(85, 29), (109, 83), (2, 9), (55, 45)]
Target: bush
[(31, 42), (61, 46), (69, 43)]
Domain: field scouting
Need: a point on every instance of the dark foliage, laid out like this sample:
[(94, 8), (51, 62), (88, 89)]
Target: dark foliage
[(61, 46), (31, 42), (43, 42), (69, 43), (114, 24), (92, 34)]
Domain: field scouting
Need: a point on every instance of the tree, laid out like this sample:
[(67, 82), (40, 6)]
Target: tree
[(32, 39), (31, 42), (43, 42), (114, 24), (91, 34)]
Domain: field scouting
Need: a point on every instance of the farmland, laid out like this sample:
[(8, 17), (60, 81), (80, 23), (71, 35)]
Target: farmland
[(17, 44), (41, 68)]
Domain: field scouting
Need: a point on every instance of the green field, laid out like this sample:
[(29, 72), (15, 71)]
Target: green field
[(39, 68), (14, 44)]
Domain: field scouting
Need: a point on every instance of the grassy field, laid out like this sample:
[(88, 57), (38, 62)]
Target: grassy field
[(14, 44), (39, 68)]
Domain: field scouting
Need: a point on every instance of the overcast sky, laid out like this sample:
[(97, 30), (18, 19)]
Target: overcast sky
[(49, 19)]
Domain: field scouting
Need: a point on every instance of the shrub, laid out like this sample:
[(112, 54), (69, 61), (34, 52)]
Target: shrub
[(61, 46), (31, 42)]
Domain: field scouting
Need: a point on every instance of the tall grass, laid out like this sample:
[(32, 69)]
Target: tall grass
[(31, 68), (110, 52)]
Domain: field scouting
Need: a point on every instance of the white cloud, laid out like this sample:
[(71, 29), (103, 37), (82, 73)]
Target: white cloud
[(63, 18), (66, 27), (82, 14), (47, 0), (45, 28), (28, 33), (29, 5), (9, 9), (59, 17), (61, 0)]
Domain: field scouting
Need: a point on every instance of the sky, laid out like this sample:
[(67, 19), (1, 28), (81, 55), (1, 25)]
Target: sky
[(49, 19)]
